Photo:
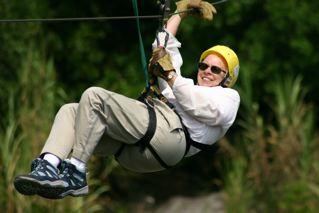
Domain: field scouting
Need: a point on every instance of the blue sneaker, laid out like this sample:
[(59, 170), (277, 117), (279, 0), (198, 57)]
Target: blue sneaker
[(43, 180), (73, 180)]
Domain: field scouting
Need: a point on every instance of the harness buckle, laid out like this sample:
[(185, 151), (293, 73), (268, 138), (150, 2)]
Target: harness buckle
[(149, 101)]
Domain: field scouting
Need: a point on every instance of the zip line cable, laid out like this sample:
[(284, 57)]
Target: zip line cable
[(136, 16), (105, 18), (79, 19)]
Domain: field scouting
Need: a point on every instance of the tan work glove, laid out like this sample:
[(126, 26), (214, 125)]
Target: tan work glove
[(206, 9), (160, 64)]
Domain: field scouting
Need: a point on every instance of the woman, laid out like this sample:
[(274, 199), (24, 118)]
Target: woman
[(107, 123)]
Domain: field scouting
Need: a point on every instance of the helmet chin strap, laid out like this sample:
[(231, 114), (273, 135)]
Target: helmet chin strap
[(224, 80)]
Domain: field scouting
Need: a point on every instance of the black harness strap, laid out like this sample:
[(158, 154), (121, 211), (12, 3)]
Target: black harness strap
[(204, 147), (157, 157), (144, 142), (201, 146), (190, 142), (187, 137), (119, 151)]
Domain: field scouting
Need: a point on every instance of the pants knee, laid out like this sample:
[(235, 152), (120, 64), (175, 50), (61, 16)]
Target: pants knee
[(91, 94), (69, 108), (95, 97)]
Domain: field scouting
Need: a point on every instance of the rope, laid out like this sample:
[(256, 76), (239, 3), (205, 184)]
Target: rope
[(142, 52)]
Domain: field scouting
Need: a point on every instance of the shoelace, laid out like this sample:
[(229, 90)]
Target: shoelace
[(34, 164), (67, 170), (40, 165)]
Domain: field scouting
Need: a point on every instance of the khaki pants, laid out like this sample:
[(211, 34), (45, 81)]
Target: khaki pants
[(103, 120)]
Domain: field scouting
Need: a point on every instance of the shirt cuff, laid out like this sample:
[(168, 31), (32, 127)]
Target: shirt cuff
[(180, 81)]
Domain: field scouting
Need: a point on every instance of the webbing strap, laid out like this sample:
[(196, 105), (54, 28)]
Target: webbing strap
[(190, 142), (144, 142), (157, 157), (204, 147), (146, 139), (187, 137), (141, 46), (119, 151)]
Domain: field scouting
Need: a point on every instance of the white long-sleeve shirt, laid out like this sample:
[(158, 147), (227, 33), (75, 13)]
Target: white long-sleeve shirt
[(207, 112)]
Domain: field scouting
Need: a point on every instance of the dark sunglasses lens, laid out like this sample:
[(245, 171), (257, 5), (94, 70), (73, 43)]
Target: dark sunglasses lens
[(215, 70), (202, 66)]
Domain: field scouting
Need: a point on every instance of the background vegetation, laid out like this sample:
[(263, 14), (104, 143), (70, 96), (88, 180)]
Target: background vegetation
[(268, 162)]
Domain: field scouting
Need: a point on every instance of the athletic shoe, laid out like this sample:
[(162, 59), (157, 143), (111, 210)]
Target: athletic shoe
[(43, 180), (73, 180)]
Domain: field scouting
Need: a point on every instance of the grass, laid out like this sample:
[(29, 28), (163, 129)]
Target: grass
[(31, 105), (275, 170)]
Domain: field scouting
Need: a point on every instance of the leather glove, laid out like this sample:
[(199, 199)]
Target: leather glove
[(160, 64), (205, 9)]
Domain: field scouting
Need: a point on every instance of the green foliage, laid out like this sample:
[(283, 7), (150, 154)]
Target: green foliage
[(32, 102), (270, 153), (279, 155), (10, 153), (239, 193), (297, 196)]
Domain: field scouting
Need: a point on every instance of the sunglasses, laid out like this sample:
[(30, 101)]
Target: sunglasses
[(216, 70)]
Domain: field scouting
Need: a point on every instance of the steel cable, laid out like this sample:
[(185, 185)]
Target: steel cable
[(93, 18)]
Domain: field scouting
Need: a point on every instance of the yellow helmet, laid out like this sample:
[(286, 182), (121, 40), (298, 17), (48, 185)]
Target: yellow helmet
[(232, 62)]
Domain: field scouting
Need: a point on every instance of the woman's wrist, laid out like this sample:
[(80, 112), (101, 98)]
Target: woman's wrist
[(171, 77)]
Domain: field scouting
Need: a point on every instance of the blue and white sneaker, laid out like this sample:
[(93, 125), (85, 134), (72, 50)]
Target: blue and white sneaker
[(43, 180), (73, 180)]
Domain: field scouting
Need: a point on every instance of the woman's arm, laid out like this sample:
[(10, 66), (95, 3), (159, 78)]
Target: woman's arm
[(172, 27), (173, 24)]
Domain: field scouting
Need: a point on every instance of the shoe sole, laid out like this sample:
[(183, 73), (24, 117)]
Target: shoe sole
[(24, 187), (76, 193), (47, 189)]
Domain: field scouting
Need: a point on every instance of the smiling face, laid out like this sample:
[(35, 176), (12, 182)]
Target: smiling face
[(207, 77)]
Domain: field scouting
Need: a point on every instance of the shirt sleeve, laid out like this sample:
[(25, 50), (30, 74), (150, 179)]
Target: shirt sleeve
[(172, 49), (210, 105)]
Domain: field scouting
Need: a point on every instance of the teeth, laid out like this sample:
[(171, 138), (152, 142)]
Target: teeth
[(206, 79)]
